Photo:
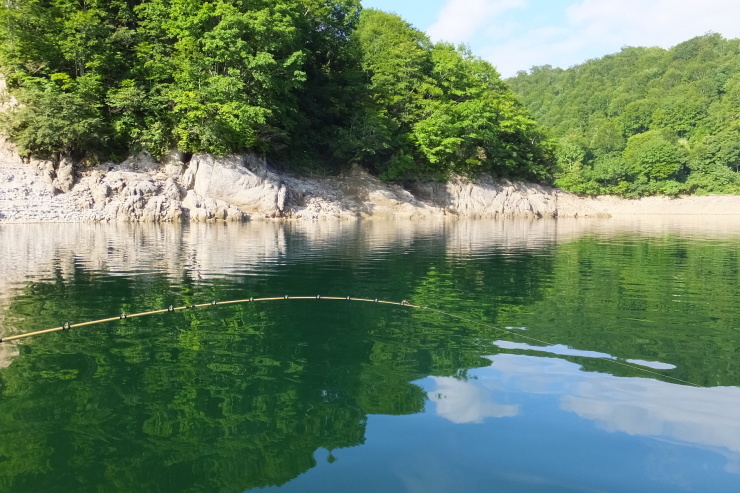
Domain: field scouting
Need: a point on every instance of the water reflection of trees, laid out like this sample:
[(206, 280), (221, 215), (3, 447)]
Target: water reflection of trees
[(196, 401), (238, 397), (222, 399), (665, 299)]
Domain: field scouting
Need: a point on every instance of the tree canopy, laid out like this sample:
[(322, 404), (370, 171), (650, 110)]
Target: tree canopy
[(320, 83), (644, 121)]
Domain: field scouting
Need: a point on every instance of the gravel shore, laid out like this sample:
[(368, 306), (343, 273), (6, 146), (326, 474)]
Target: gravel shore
[(24, 197)]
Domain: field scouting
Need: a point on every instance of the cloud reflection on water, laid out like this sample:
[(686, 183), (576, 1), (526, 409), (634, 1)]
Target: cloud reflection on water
[(705, 418), (560, 349), (467, 402), (563, 350)]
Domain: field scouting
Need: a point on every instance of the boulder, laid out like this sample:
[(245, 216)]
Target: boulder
[(65, 175), (230, 180), (143, 161), (47, 173)]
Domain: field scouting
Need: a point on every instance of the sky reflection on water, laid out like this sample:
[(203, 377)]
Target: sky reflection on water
[(706, 418), (543, 425), (314, 396)]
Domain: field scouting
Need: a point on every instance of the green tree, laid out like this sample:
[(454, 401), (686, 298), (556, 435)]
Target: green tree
[(445, 109), (637, 116), (226, 69), (606, 137), (653, 156), (60, 57), (329, 125), (51, 120)]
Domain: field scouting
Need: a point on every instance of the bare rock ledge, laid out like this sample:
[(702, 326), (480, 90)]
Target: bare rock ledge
[(239, 188)]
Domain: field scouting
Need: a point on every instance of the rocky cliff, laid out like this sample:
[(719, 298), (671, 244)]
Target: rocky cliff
[(238, 188)]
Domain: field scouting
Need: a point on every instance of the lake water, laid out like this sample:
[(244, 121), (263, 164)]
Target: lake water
[(554, 356)]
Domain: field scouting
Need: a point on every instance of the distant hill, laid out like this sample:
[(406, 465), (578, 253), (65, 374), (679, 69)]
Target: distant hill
[(644, 121)]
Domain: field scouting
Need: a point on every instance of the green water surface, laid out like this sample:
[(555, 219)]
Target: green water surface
[(556, 356)]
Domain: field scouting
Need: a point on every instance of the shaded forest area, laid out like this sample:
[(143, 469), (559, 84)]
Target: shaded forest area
[(315, 85), (644, 121)]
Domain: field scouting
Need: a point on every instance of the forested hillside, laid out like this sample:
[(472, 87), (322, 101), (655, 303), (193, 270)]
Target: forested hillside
[(644, 121), (317, 84)]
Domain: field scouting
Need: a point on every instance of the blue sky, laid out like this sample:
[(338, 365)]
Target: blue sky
[(518, 34)]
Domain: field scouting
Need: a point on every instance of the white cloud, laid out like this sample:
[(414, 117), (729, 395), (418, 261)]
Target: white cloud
[(657, 22), (460, 20), (700, 417), (588, 29)]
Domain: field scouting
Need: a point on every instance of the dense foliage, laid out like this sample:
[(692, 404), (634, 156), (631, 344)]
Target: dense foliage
[(303, 81), (434, 107), (644, 121)]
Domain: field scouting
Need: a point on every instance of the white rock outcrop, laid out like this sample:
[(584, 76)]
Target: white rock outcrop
[(243, 182), (485, 197), (238, 188)]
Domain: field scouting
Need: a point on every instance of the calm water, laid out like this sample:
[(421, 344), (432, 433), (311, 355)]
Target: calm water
[(566, 356)]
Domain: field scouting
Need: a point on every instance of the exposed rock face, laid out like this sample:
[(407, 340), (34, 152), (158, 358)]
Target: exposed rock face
[(242, 182), (570, 205), (47, 173), (238, 188), (488, 198), (243, 187)]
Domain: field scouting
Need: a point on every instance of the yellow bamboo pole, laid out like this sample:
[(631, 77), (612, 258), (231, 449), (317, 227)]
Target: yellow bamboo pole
[(68, 325)]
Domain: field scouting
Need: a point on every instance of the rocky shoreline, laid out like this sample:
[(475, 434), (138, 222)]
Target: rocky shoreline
[(239, 188)]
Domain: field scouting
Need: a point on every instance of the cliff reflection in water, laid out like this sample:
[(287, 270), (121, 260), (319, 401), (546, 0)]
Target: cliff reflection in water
[(33, 251), (238, 397)]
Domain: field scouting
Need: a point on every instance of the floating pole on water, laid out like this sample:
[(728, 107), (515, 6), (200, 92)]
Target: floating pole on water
[(170, 308), (124, 315)]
